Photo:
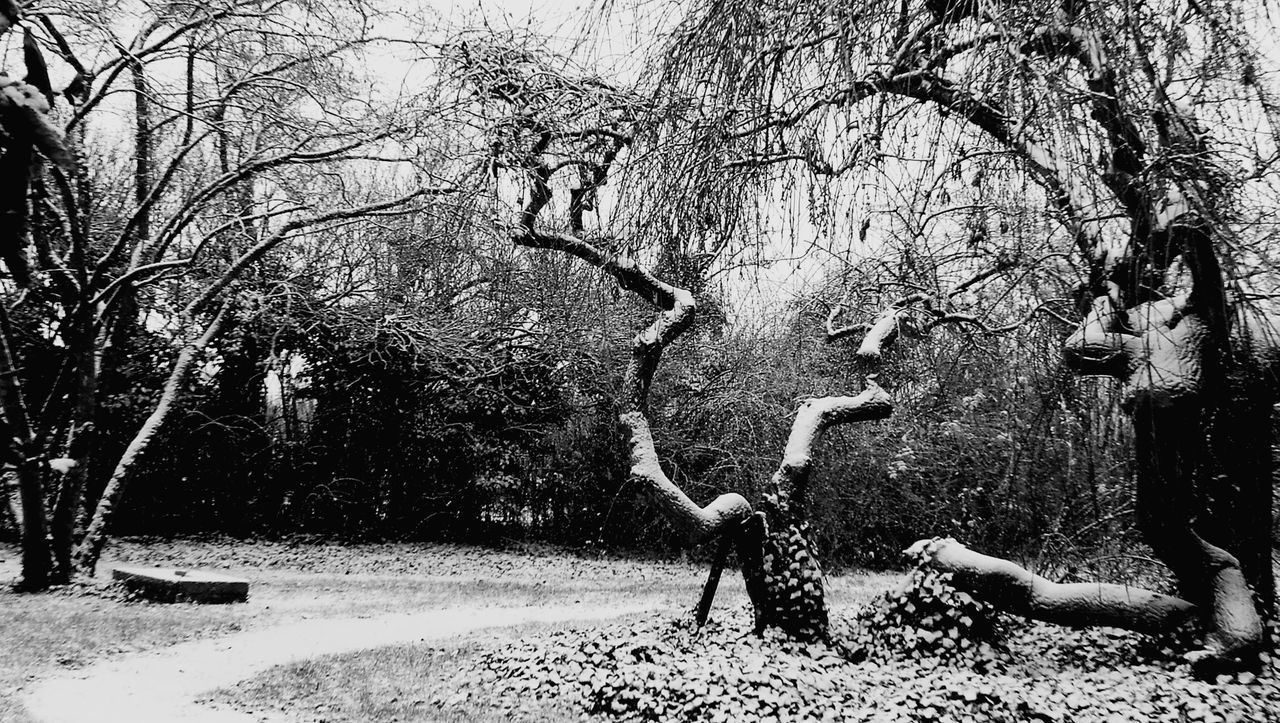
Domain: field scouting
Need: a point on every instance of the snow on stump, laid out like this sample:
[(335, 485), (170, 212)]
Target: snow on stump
[(177, 585)]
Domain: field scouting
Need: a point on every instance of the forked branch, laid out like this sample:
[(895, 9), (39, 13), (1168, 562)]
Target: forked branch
[(881, 332)]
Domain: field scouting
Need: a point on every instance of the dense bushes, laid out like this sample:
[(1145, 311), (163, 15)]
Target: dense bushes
[(439, 426), (383, 427), (991, 442)]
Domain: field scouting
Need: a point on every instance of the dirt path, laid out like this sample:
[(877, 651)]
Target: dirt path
[(161, 686)]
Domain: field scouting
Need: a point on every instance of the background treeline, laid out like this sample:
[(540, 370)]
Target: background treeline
[(484, 408), (374, 358)]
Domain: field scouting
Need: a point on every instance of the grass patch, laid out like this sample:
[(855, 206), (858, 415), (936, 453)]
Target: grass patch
[(49, 632), (45, 633), (400, 683), (434, 682)]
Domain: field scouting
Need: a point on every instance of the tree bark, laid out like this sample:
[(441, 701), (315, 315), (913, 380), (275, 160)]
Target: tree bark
[(95, 536), (788, 574), (1170, 450), (1009, 587), (1200, 407), (788, 580), (781, 572), (37, 560), (81, 439), (12, 500), (22, 452), (790, 493)]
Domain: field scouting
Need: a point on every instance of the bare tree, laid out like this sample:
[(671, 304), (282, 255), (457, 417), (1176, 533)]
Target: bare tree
[(246, 131), (1135, 129), (553, 129)]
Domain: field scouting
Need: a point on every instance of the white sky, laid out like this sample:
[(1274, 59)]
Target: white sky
[(625, 33), (616, 46)]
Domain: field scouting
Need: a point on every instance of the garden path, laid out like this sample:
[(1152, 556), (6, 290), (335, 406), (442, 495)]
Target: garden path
[(163, 685)]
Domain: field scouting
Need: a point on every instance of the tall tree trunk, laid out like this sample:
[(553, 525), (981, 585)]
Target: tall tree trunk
[(37, 560), (1237, 484), (95, 536), (1200, 404), (1171, 448), (21, 450), (81, 438)]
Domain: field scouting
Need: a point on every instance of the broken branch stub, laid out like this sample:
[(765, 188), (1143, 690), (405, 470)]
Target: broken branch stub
[(881, 333)]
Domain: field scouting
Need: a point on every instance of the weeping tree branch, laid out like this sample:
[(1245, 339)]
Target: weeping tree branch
[(924, 85)]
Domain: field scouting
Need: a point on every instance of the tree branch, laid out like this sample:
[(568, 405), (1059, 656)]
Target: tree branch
[(791, 481), (249, 257), (1010, 587), (676, 307)]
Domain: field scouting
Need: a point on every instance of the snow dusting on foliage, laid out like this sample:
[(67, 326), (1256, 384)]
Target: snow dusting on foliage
[(922, 652), (665, 670), (518, 561), (926, 616)]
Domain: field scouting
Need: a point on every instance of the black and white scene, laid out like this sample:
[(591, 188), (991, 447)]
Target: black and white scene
[(612, 361)]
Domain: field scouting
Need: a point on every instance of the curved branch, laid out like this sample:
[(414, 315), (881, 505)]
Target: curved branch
[(883, 330), (694, 523), (136, 273), (980, 325), (1009, 587), (791, 481), (835, 333), (676, 307)]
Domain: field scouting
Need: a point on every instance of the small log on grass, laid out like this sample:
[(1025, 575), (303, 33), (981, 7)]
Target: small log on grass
[(178, 585)]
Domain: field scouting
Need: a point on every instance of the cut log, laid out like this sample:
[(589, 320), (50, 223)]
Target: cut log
[(179, 585)]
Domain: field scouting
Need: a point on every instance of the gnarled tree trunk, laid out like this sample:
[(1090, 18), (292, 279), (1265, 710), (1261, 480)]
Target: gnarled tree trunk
[(1201, 411), (780, 569), (788, 573)]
